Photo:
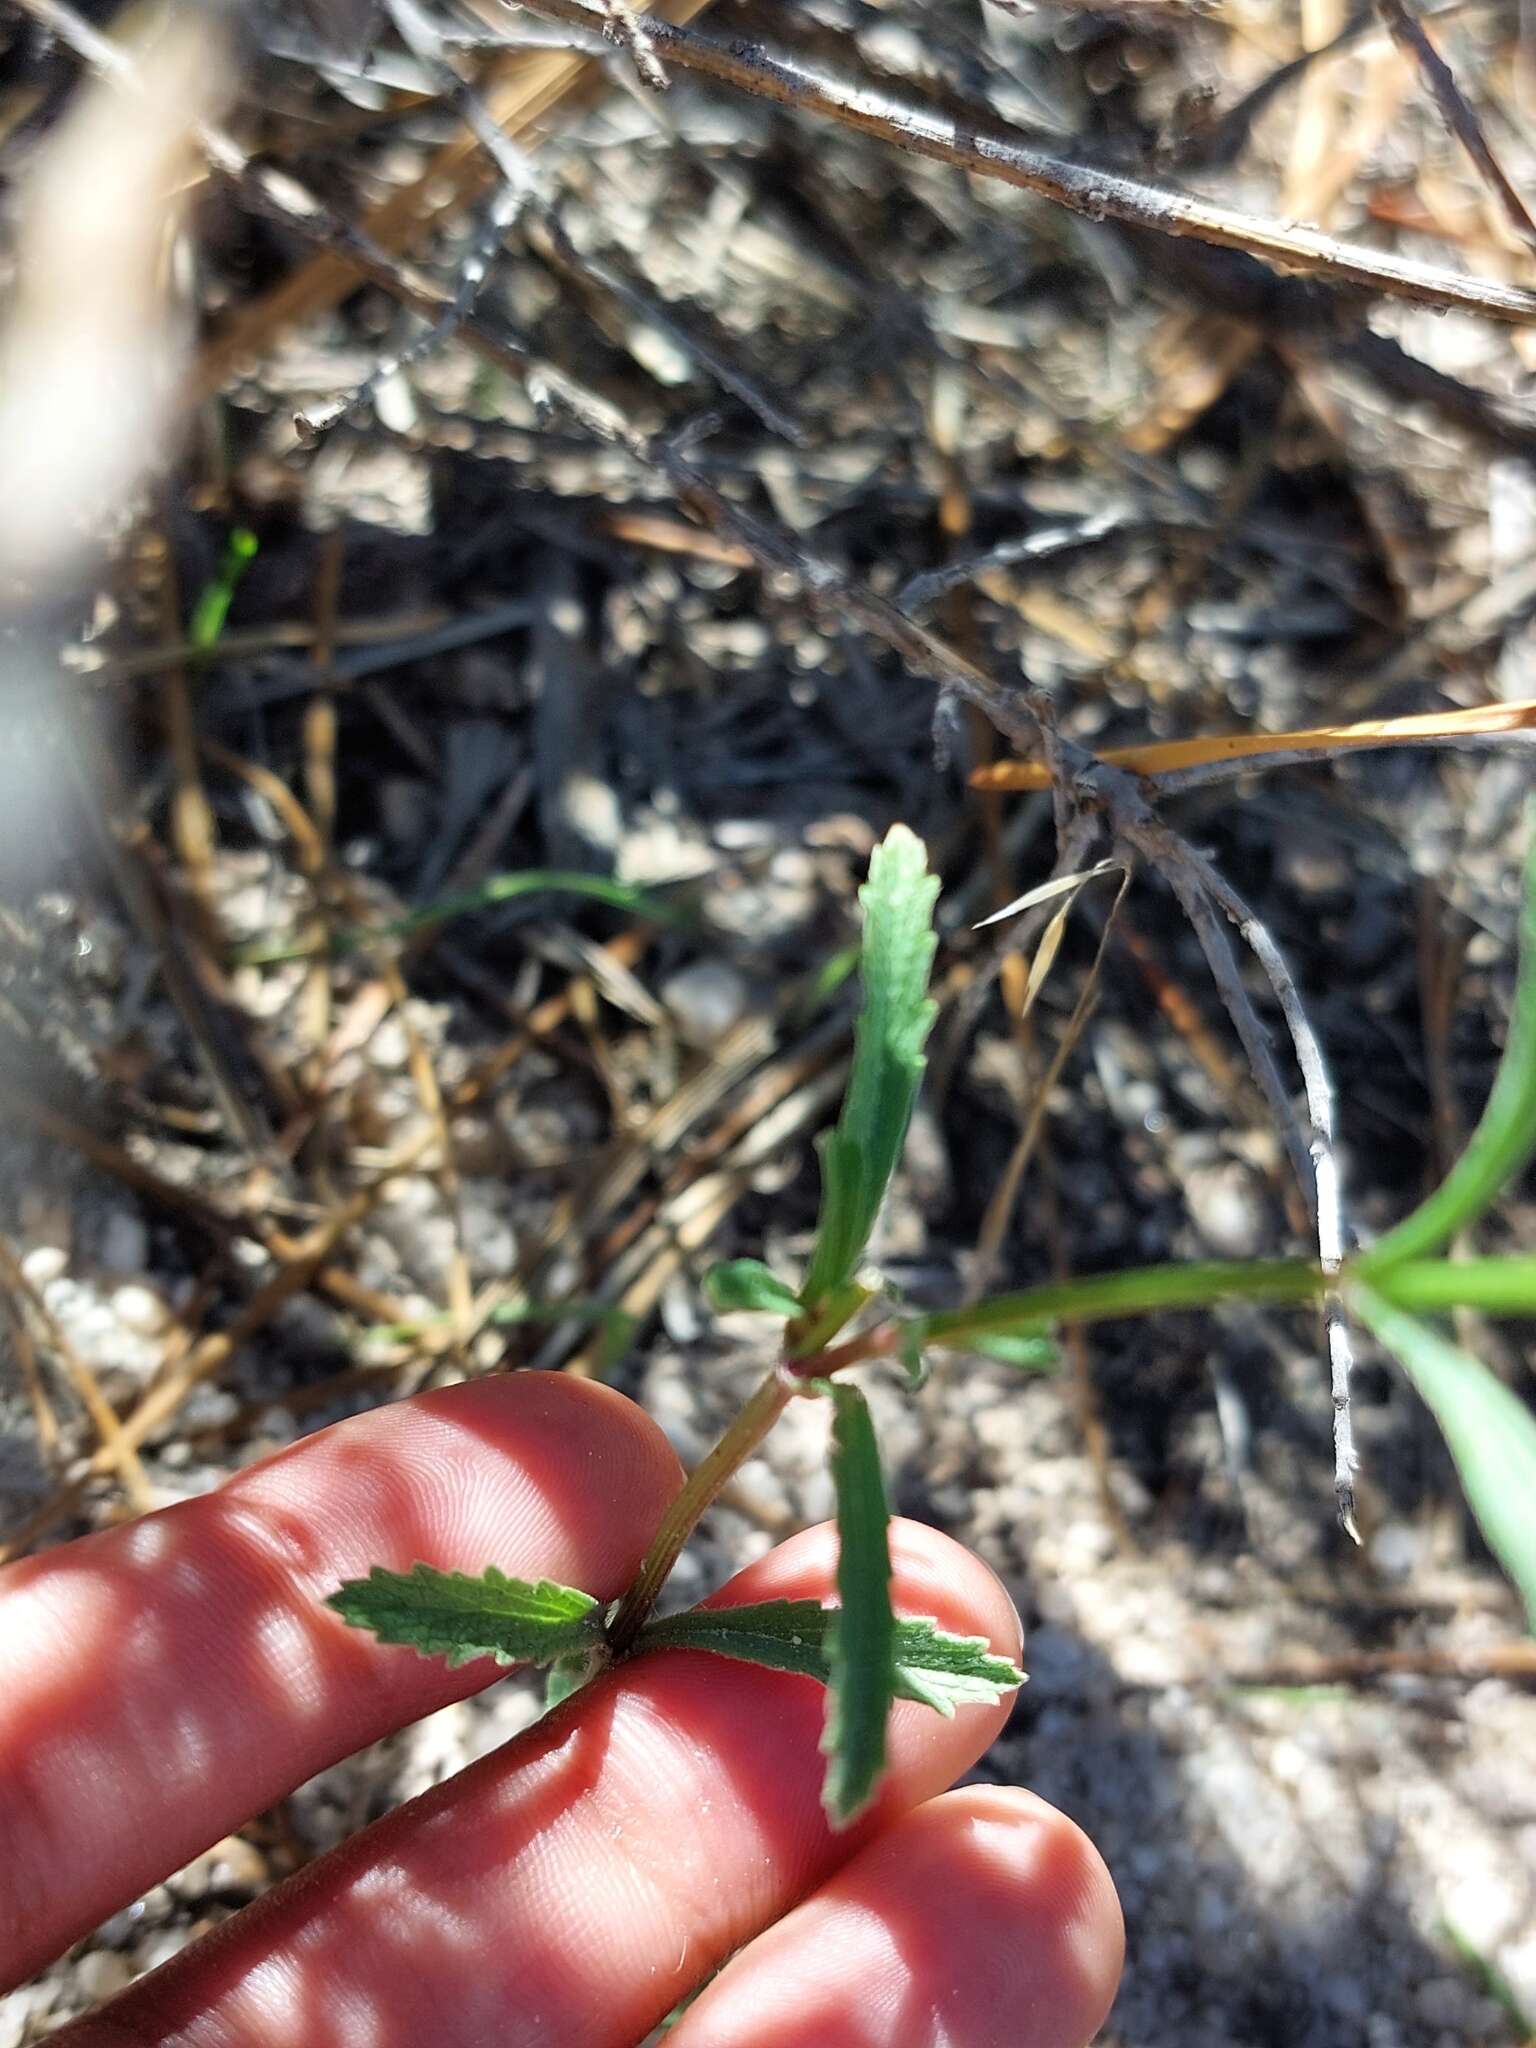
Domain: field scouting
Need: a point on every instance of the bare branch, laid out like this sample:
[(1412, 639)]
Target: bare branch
[(1327, 1193), (1100, 195), (1408, 33)]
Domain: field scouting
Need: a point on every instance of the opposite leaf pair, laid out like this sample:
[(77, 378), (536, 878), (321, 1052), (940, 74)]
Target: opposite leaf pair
[(451, 1615)]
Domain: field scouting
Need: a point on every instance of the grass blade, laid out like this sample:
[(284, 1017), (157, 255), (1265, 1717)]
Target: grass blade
[(1134, 1291), (216, 597), (1505, 1138), (1499, 1287), (506, 888), (859, 1157), (861, 1641), (1490, 1431)]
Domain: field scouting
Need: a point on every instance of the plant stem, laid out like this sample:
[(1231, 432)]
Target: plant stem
[(1136, 1290), (704, 1482), (1427, 1286)]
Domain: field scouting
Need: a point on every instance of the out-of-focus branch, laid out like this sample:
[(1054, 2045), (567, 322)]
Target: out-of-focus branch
[(1100, 195)]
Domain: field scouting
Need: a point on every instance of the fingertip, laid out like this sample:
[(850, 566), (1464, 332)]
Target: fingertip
[(1055, 1886), (979, 1917)]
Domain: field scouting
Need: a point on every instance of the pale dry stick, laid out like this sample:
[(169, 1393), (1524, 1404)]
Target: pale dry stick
[(1074, 1341), (122, 841), (1098, 194), (1409, 34), (41, 1116), (627, 30), (1170, 767), (1321, 1149), (765, 1090), (120, 1454), (628, 949), (505, 204), (523, 89), (1044, 544), (711, 1200), (625, 1163), (1317, 119), (515, 185), (1209, 774), (217, 1224), (1353, 1667)]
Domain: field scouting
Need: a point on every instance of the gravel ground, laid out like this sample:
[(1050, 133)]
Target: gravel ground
[(1299, 1861), (1322, 530)]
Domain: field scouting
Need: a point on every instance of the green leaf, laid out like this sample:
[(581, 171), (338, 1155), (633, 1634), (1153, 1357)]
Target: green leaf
[(937, 1669), (748, 1283), (567, 1674), (212, 608), (1490, 1431), (945, 1671), (910, 1338), (861, 1641), (1505, 1138), (784, 1635), (450, 1614), (859, 1157), (1030, 1353)]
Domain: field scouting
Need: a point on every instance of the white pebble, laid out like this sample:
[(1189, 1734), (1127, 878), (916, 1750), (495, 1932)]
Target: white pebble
[(140, 1308), (44, 1263), (705, 1000), (101, 1974)]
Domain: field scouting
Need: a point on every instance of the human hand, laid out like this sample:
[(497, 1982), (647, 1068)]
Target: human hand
[(164, 1681)]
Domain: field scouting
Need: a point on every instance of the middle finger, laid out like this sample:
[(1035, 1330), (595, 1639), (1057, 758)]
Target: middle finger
[(573, 1886)]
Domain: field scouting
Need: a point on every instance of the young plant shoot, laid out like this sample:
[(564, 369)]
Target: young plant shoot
[(860, 1650)]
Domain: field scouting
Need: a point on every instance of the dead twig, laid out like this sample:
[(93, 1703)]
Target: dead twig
[(1325, 1185), (1097, 194), (1408, 32), (627, 30), (117, 1451)]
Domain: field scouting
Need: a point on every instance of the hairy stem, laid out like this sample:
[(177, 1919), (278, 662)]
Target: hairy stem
[(703, 1484)]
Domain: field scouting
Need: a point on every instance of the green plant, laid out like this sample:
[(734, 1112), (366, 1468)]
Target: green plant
[(864, 1655)]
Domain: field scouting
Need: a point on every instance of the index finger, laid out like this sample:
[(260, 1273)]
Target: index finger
[(166, 1680)]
